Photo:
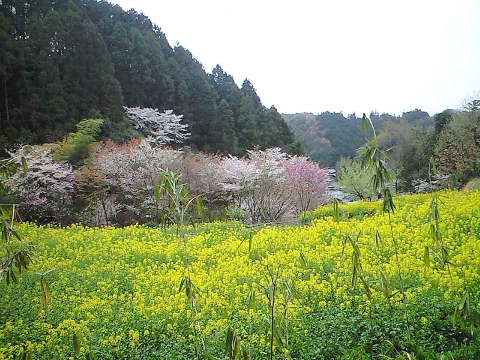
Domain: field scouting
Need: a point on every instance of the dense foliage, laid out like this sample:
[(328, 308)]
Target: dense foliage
[(336, 290), (118, 184), (62, 61), (46, 188), (327, 137), (355, 179), (450, 139), (268, 184)]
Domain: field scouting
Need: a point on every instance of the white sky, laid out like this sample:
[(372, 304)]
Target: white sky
[(335, 55)]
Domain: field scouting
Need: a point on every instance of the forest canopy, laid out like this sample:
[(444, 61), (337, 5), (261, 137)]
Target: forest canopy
[(63, 61)]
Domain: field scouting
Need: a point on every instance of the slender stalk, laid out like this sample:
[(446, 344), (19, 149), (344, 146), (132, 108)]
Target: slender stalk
[(395, 246), (272, 314)]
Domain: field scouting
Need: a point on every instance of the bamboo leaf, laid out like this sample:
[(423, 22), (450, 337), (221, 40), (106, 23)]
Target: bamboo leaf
[(426, 257), (367, 288), (45, 294), (229, 343), (365, 123), (336, 210), (277, 336), (76, 344), (384, 285), (236, 349), (378, 240)]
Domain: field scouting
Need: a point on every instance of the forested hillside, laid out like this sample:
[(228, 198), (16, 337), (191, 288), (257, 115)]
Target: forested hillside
[(61, 61), (329, 136)]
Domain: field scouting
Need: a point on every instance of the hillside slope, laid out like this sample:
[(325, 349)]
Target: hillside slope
[(329, 136), (61, 61)]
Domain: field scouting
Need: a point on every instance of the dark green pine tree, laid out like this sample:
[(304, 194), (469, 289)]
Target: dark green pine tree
[(61, 61), (229, 98), (225, 128), (62, 70), (89, 72), (249, 91), (200, 97), (140, 53), (46, 103), (251, 114), (227, 89), (8, 86)]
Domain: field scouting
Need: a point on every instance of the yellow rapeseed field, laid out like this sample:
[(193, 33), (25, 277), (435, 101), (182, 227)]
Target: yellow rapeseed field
[(115, 292)]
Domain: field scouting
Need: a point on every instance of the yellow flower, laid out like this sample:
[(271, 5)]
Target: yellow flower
[(113, 286)]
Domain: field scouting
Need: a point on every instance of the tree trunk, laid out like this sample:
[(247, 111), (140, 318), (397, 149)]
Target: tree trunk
[(6, 99)]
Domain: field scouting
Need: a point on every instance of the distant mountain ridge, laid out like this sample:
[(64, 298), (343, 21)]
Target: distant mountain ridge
[(329, 136)]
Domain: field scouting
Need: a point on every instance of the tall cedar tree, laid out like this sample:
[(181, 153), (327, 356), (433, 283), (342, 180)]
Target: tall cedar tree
[(62, 61)]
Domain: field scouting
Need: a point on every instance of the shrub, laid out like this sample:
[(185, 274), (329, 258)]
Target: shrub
[(77, 146), (472, 185)]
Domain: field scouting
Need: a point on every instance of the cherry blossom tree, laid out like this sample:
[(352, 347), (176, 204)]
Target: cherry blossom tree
[(118, 184), (256, 183), (268, 184), (158, 128), (131, 172), (44, 187), (308, 183), (198, 173)]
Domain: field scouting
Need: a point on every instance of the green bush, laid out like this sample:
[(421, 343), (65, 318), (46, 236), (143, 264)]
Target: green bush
[(75, 149), (472, 185)]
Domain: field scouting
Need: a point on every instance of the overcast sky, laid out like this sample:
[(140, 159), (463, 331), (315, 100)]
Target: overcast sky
[(335, 55)]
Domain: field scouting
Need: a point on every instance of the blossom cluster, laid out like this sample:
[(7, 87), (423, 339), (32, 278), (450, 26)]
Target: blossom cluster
[(45, 187), (158, 128), (117, 184), (269, 184)]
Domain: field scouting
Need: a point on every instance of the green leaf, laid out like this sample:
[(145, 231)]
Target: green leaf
[(76, 344), (229, 343), (277, 336), (45, 294), (250, 242), (199, 206), (384, 285), (336, 210), (378, 239), (426, 257), (24, 163), (365, 124), (26, 355), (302, 259)]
